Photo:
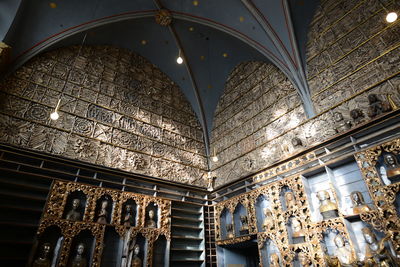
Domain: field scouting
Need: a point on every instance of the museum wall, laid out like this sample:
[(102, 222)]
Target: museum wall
[(352, 52), (117, 110), (254, 121)]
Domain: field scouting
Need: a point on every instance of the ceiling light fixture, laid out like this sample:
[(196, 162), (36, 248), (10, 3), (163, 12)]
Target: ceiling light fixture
[(391, 17), (179, 60), (214, 158), (54, 115)]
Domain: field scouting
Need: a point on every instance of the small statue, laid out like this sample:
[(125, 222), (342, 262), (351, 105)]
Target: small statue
[(136, 261), (377, 106), (103, 214), (327, 208), (74, 214), (359, 205), (341, 125), (331, 261), (376, 253), (274, 260), (290, 200), (297, 228), (343, 253), (304, 259), (150, 223), (79, 260), (128, 219), (229, 231), (43, 260), (245, 227), (392, 168), (268, 223), (296, 142), (357, 115)]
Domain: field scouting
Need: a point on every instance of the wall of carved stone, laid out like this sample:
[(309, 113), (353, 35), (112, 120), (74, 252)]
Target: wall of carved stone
[(117, 110), (351, 52), (254, 121)]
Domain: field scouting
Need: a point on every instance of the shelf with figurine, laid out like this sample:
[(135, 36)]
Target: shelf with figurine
[(85, 225)]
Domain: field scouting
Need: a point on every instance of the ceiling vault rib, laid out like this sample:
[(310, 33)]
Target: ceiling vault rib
[(194, 86)]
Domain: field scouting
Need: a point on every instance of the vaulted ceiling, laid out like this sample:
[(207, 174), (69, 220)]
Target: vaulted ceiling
[(213, 36)]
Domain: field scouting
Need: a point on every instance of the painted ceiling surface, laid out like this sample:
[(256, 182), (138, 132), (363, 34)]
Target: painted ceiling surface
[(213, 35)]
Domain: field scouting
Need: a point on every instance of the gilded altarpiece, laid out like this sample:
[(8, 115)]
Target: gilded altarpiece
[(57, 205)]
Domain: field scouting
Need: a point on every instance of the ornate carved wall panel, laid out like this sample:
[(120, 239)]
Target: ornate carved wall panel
[(117, 110)]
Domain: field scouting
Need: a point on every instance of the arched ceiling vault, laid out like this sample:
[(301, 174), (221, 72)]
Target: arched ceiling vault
[(214, 36)]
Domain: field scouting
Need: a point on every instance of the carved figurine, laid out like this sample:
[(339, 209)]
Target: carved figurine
[(128, 219), (341, 125), (268, 223), (79, 260), (74, 214), (229, 231), (357, 115), (331, 261), (392, 168), (136, 261), (150, 223), (43, 260), (274, 260), (377, 106), (103, 214), (343, 253), (327, 208), (290, 201), (304, 259), (359, 205), (297, 228), (296, 142), (376, 253), (245, 226)]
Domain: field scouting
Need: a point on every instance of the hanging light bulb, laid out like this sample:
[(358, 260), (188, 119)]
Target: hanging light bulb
[(391, 17), (54, 115), (214, 158), (179, 60)]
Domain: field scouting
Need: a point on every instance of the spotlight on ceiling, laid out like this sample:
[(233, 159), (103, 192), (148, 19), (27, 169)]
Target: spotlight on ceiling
[(54, 115), (179, 59), (391, 17)]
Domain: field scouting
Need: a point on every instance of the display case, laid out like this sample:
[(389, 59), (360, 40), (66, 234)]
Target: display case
[(85, 225), (345, 213)]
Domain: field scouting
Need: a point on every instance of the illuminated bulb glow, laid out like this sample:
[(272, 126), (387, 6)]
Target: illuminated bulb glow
[(179, 60), (54, 116), (214, 158), (391, 17)]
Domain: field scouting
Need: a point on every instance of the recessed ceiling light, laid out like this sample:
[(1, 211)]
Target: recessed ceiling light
[(143, 42), (191, 29), (391, 17)]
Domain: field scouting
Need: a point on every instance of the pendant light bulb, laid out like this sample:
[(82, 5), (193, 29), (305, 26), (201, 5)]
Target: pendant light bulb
[(179, 60), (391, 17), (54, 115), (214, 157)]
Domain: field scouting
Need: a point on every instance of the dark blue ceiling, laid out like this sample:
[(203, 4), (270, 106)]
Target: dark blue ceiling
[(265, 30)]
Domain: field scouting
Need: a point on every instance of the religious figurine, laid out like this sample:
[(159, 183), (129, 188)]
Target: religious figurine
[(229, 231), (341, 125), (376, 253), (150, 223), (136, 261), (74, 214), (377, 106), (296, 142), (343, 253), (359, 205), (357, 115), (290, 201), (103, 214), (43, 260), (268, 223), (304, 259), (274, 260), (327, 208), (297, 228), (331, 261), (128, 218), (79, 260), (392, 168), (245, 227)]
